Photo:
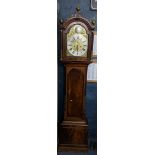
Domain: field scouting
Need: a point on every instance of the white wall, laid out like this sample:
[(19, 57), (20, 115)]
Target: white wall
[(126, 76), (28, 75)]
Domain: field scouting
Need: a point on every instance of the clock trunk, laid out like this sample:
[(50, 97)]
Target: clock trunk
[(73, 131)]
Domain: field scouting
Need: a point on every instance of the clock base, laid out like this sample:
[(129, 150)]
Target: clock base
[(73, 136), (72, 148)]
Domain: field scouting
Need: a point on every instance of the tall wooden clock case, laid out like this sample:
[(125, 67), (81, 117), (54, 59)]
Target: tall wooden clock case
[(76, 50)]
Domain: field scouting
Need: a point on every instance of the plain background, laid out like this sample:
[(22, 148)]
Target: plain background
[(28, 77)]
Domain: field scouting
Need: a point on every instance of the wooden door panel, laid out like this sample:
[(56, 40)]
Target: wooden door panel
[(75, 82)]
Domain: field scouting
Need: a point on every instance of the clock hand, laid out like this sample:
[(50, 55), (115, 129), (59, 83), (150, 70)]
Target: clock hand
[(77, 48)]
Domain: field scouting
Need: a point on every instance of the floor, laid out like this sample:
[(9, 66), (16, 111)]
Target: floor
[(67, 153)]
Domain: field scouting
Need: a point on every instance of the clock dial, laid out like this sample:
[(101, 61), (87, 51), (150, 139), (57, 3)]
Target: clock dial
[(77, 41), (77, 45)]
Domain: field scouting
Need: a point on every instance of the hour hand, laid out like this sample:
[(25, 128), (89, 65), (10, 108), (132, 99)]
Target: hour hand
[(77, 48)]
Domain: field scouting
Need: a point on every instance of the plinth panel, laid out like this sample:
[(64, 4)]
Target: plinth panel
[(73, 137)]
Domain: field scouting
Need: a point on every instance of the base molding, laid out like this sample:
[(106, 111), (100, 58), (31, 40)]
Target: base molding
[(73, 136), (72, 148)]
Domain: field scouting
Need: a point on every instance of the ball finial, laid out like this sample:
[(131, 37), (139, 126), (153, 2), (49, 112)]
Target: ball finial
[(61, 21), (78, 8), (93, 22)]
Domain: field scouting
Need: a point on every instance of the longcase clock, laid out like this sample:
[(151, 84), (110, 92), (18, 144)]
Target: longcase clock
[(76, 50)]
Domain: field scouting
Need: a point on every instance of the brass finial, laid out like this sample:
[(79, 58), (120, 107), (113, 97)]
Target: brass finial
[(93, 22), (78, 8), (61, 21)]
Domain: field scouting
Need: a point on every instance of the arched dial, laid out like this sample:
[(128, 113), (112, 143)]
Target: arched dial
[(77, 41)]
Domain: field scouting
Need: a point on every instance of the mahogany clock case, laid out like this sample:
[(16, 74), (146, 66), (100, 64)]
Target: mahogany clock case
[(73, 129)]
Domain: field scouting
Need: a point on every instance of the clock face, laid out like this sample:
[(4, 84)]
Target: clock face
[(77, 41)]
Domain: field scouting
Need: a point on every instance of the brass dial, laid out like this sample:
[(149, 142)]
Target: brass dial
[(77, 41)]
